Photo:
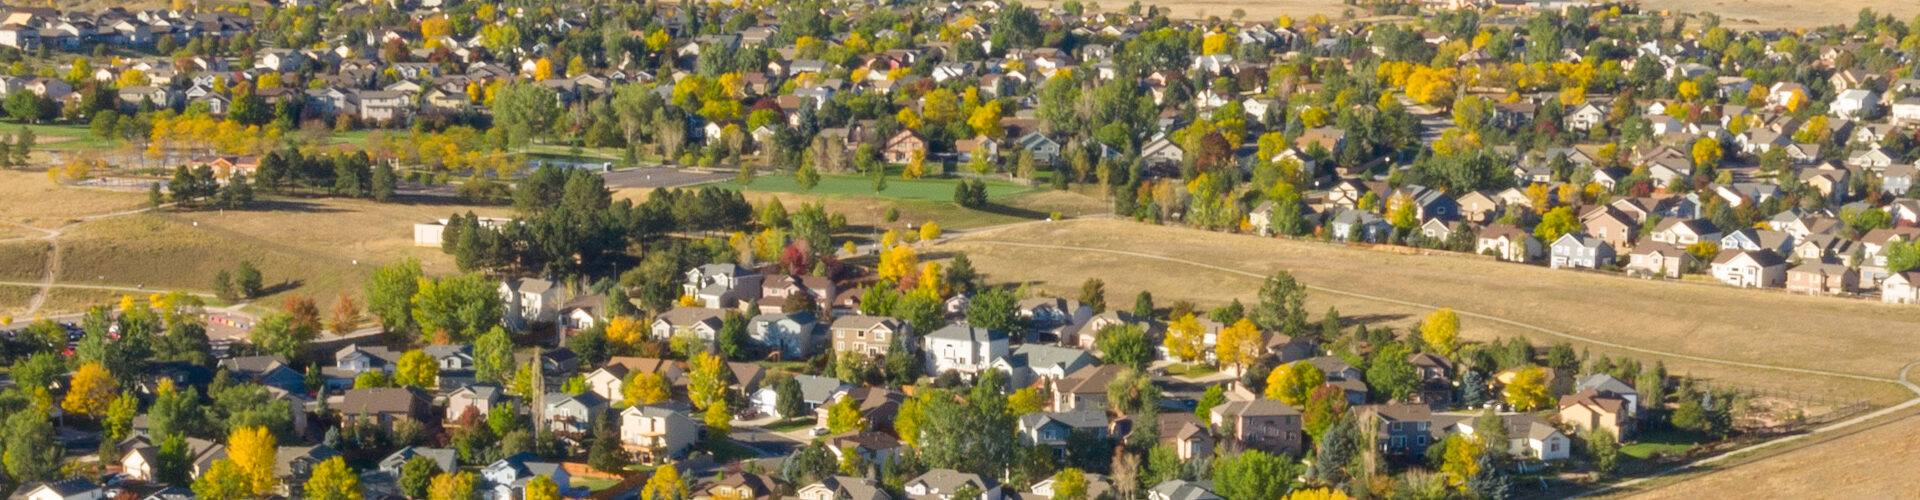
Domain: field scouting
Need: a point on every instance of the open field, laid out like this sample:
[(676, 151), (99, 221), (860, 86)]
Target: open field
[(28, 197), (305, 246), (23, 260), (864, 210), (1837, 335), (1879, 461), (13, 300)]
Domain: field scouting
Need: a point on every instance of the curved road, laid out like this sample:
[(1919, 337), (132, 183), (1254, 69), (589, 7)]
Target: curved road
[(1901, 379)]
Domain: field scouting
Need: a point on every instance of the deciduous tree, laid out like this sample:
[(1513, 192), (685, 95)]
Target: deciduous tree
[(332, 480), (92, 392)]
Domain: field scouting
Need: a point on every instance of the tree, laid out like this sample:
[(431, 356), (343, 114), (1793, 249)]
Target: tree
[(1093, 293), (1124, 345), (1317, 494), (253, 449), (383, 183), (332, 480), (32, 452), (1528, 390), (644, 388), (1390, 374), (1462, 458), (1294, 383), (390, 294), (1603, 448), (525, 110), (807, 177), (493, 356), (1441, 331), (1706, 153), (1143, 305), (454, 486), (930, 231), (1282, 305), (719, 420), (996, 310), (1556, 222), (706, 380), (1239, 344), (417, 369), (92, 392), (1184, 337), (120, 416), (224, 480), (732, 338), (417, 476), (665, 484), (843, 416), (460, 307), (1070, 484), (247, 278), (542, 488), (346, 315), (1254, 475), (787, 398)]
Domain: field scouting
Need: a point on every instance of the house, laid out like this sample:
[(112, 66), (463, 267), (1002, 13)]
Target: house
[(609, 380), (1817, 277), (1035, 362), (790, 334), (1097, 486), (1404, 428), (941, 484), (1181, 489), (721, 285), (1757, 269), (1358, 225), (1044, 151), (844, 488), (1901, 288), (573, 414), (1607, 384), (1575, 250), (1263, 424), (815, 391), (655, 434), (702, 323), (443, 457), (743, 486), (1529, 437), (902, 147), (1478, 207), (1427, 203), (1656, 259), (1855, 104), (1084, 389), (74, 488), (1684, 232), (963, 348), (531, 301), (386, 405), (139, 456), (508, 477), (1054, 429), (1507, 243), (475, 400), (293, 465), (271, 371), (1758, 239), (872, 446), (1593, 409), (1610, 225), (873, 336)]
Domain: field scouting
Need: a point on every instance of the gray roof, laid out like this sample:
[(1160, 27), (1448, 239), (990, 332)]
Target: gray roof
[(966, 332), (1041, 355), (1602, 382), (528, 285), (444, 457), (817, 388), (1180, 489), (947, 481), (1084, 419)]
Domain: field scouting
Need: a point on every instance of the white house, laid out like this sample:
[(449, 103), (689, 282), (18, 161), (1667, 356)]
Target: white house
[(814, 391), (963, 348), (1529, 437), (655, 434), (1855, 104), (1754, 269), (940, 484), (1901, 288), (789, 334), (1577, 250), (77, 488), (531, 301)]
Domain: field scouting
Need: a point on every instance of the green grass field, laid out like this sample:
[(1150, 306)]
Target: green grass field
[(1664, 442)]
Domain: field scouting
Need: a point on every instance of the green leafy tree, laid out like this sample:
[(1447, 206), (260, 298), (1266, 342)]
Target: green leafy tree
[(493, 356), (417, 475), (32, 452), (390, 294), (460, 307), (1282, 305), (1390, 374), (1124, 345), (248, 279), (1254, 475)]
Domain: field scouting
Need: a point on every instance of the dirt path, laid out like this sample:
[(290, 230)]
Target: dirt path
[(50, 277)]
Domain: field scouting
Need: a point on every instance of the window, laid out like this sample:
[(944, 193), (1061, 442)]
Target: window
[(880, 335)]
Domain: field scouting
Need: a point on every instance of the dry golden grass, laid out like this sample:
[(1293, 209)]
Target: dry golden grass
[(866, 211), (1839, 335), (1881, 461), (14, 299), (303, 246), (23, 260), (27, 197), (1770, 14)]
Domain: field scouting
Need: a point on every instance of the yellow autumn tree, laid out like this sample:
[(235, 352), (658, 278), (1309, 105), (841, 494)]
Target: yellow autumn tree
[(1184, 338), (666, 484), (542, 70), (1238, 344), (930, 231), (92, 391), (626, 331), (1528, 390), (253, 449), (643, 388), (706, 379), (1441, 330), (916, 164), (1318, 494), (932, 280), (1216, 43), (898, 262)]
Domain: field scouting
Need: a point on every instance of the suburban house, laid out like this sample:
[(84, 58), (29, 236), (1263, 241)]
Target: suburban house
[(1529, 437), (271, 371), (476, 399), (75, 488), (721, 285), (844, 488), (1575, 250), (1816, 278), (1684, 232), (386, 405), (941, 484), (962, 348), (1755, 269), (1181, 489), (1507, 243), (701, 323), (1053, 429), (508, 477), (1656, 259), (1594, 409), (1085, 388), (814, 392), (655, 434), (1901, 288), (573, 414), (1405, 429), (1034, 362), (873, 336), (789, 334), (1263, 424), (609, 380), (531, 301)]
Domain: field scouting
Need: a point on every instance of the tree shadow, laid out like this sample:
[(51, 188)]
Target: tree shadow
[(284, 286), (290, 205)]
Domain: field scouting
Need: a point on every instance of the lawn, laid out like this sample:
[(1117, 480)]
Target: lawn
[(1190, 370), (1664, 442), (865, 213), (594, 483), (790, 425), (1823, 333), (28, 197), (726, 451), (62, 137)]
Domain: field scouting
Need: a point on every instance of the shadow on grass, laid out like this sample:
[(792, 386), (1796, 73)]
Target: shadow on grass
[(292, 204), (284, 286)]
